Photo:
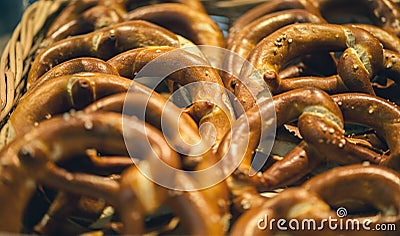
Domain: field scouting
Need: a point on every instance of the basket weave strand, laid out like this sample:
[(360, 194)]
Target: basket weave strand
[(16, 57)]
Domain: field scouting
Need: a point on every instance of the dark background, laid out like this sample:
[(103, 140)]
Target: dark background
[(10, 14)]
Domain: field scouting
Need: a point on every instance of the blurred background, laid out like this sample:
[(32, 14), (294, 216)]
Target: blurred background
[(10, 14)]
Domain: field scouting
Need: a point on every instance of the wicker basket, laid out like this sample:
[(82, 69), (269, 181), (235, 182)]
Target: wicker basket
[(17, 56)]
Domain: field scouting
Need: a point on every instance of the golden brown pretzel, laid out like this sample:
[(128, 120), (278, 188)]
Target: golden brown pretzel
[(335, 84), (62, 94), (32, 157), (92, 19), (331, 143), (360, 186), (339, 187), (73, 66), (197, 214), (388, 39), (331, 84), (384, 14), (282, 206), (192, 68), (391, 65), (102, 44), (291, 168), (276, 50), (77, 7), (196, 26), (267, 8), (244, 41), (193, 4), (154, 104), (376, 113)]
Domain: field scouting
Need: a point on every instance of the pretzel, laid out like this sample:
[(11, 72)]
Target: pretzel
[(366, 183), (92, 19), (73, 66), (313, 200), (244, 41), (35, 151), (384, 14), (63, 94), (196, 26), (295, 165), (77, 7), (267, 8), (102, 44), (188, 133), (388, 39), (335, 84), (391, 67), (276, 50), (377, 113), (193, 4), (197, 214), (280, 207), (134, 104), (195, 69), (331, 143)]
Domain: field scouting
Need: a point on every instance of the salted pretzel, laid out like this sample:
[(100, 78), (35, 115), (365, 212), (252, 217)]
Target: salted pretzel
[(391, 66), (334, 84), (377, 113), (196, 26), (197, 214), (368, 183), (92, 19), (388, 39), (361, 59), (291, 168), (192, 68), (75, 8), (384, 14), (155, 106), (244, 41), (103, 44), (34, 151), (267, 8), (78, 8), (288, 106), (314, 199), (73, 66), (179, 135), (60, 95)]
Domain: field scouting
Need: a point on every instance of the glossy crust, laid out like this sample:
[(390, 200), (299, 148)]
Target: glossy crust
[(102, 44), (361, 61), (196, 26)]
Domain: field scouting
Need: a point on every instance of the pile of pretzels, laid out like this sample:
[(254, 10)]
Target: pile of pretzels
[(321, 75)]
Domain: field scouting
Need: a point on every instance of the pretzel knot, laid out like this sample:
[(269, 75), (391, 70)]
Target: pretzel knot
[(363, 52), (360, 186)]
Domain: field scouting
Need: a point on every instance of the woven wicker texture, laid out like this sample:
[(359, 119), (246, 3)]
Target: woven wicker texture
[(17, 56)]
